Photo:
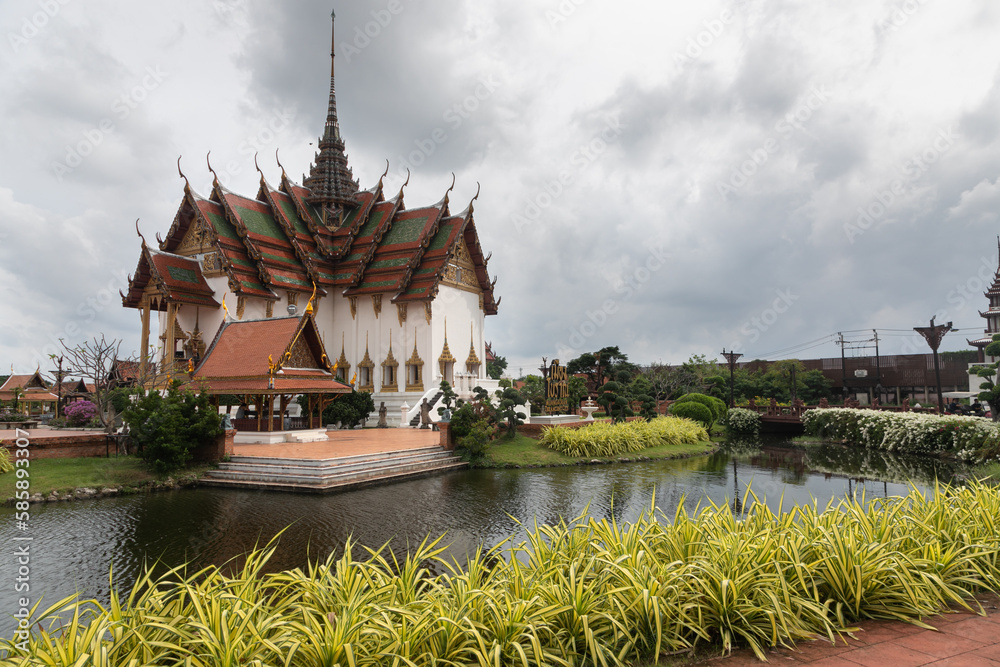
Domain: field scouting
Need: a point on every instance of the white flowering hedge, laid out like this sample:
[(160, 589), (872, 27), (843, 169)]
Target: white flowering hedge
[(905, 432), (742, 421)]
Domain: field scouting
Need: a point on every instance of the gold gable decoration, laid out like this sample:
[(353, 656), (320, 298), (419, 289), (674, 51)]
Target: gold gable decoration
[(472, 364), (461, 270), (241, 306), (196, 241), (377, 304), (415, 371), (211, 265), (353, 300), (301, 356), (401, 314), (366, 375)]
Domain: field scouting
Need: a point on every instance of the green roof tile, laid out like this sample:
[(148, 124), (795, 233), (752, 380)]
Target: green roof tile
[(183, 275)]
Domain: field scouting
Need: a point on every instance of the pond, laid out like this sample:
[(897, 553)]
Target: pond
[(75, 544)]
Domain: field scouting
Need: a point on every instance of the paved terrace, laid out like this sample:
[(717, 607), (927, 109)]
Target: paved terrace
[(347, 443), (963, 639)]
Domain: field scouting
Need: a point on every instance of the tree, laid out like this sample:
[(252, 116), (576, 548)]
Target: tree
[(641, 392), (168, 426), (601, 365), (991, 386), (496, 367), (94, 361), (448, 397), (615, 399), (815, 386), (508, 400), (349, 409), (534, 392), (577, 391), (668, 381)]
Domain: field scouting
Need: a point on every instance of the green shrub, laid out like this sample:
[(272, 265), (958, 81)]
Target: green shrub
[(715, 406), (694, 410), (6, 465), (462, 421), (740, 421), (606, 439), (168, 427), (475, 445), (971, 439)]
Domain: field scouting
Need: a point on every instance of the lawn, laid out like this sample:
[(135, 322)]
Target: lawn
[(525, 451), (49, 475)]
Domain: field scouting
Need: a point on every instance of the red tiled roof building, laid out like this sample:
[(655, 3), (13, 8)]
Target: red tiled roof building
[(373, 269)]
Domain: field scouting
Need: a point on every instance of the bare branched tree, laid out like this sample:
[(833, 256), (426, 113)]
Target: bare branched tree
[(99, 360)]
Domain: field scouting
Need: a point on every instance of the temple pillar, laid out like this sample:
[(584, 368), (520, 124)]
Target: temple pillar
[(144, 342), (169, 347)]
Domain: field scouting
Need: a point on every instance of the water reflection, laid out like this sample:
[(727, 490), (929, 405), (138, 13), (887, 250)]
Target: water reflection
[(75, 544)]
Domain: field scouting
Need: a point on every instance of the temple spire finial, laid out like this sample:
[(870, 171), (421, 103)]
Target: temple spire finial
[(331, 182)]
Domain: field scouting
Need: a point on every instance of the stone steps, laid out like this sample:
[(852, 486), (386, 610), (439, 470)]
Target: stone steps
[(328, 475)]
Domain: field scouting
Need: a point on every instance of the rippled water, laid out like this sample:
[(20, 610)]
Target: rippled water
[(75, 544)]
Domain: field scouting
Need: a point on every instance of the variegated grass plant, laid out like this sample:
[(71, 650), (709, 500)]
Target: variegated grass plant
[(607, 439), (583, 593)]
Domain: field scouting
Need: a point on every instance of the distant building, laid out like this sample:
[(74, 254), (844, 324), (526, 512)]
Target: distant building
[(35, 397), (992, 316)]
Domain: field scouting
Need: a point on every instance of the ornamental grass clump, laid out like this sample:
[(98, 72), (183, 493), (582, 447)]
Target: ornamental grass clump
[(905, 432), (605, 439), (586, 592)]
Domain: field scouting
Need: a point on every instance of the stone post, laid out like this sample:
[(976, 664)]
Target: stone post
[(404, 409)]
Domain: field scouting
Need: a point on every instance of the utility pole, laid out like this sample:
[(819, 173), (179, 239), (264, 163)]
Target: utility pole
[(934, 335), (878, 369), (843, 369), (731, 357)]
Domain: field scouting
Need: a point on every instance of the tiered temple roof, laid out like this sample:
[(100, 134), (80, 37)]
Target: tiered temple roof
[(324, 236)]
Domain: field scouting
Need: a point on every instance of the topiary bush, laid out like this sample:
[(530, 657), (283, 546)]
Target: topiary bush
[(716, 407), (695, 411)]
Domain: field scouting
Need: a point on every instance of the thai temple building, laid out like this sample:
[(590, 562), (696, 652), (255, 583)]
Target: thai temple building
[(992, 315), (304, 288)]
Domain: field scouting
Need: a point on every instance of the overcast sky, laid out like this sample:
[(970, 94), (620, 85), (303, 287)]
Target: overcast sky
[(671, 177)]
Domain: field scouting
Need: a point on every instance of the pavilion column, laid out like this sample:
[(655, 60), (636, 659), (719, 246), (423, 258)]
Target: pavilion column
[(143, 360), (283, 405), (259, 406), (270, 413), (171, 341)]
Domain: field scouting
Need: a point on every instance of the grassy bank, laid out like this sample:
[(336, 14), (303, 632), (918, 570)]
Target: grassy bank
[(585, 593), (125, 473), (528, 452)]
